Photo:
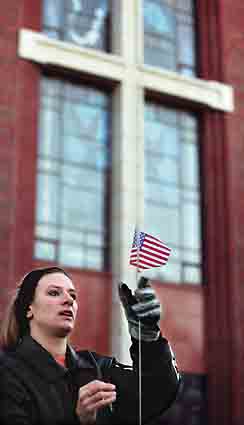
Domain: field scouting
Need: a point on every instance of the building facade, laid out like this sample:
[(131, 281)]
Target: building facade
[(122, 114)]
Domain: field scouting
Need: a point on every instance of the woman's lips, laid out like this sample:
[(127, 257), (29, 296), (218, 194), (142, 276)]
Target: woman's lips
[(67, 313)]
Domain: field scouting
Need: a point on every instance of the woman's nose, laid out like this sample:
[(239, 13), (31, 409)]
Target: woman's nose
[(69, 299)]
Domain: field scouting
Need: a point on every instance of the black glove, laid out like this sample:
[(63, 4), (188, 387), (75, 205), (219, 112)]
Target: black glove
[(143, 307)]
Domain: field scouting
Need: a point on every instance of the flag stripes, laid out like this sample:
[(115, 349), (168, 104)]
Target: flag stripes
[(148, 251)]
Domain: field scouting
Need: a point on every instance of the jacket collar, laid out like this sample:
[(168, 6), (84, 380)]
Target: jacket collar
[(38, 358)]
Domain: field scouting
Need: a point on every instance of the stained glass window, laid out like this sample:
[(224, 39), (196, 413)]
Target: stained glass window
[(169, 35), (73, 165), (82, 22), (172, 190)]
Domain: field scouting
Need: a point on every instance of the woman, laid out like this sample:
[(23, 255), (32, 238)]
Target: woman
[(45, 381)]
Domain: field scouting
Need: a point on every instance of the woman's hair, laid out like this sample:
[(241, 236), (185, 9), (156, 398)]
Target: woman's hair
[(15, 323)]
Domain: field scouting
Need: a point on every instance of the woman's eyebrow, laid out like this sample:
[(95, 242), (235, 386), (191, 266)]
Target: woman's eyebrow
[(72, 290), (60, 287)]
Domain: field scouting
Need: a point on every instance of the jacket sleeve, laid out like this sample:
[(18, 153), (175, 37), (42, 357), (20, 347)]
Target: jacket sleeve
[(159, 383), (14, 404)]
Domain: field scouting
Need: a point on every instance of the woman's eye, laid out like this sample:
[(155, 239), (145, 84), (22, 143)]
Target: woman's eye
[(73, 296), (53, 292)]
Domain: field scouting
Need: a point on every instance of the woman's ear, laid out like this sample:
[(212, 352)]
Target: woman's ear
[(29, 313)]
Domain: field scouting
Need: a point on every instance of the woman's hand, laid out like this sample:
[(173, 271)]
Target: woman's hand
[(92, 397), (142, 309)]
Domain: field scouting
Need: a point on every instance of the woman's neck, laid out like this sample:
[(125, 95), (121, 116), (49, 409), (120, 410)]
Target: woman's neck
[(55, 345)]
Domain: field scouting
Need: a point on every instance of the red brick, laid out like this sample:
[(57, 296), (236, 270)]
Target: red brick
[(10, 14)]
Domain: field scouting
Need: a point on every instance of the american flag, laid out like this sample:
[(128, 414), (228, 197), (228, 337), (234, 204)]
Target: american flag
[(148, 251)]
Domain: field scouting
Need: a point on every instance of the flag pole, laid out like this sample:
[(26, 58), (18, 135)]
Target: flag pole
[(139, 325), (147, 252), (140, 377)]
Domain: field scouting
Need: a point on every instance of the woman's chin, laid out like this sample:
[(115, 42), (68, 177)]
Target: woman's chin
[(65, 330)]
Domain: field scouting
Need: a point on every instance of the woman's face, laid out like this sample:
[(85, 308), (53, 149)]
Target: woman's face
[(54, 308)]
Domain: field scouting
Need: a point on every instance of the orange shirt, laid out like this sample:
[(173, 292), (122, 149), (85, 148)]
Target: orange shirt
[(61, 360)]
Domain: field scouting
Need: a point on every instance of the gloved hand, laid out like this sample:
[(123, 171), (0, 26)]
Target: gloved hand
[(143, 306)]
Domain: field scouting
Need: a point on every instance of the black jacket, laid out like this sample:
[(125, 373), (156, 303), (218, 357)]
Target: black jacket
[(36, 390)]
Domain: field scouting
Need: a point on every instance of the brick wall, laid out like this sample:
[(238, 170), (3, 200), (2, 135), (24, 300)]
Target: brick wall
[(17, 135), (183, 325), (222, 58), (232, 23), (8, 140)]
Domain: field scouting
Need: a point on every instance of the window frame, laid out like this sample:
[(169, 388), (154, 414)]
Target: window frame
[(124, 72)]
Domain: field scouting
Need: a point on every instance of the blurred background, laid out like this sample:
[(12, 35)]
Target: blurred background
[(124, 113)]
